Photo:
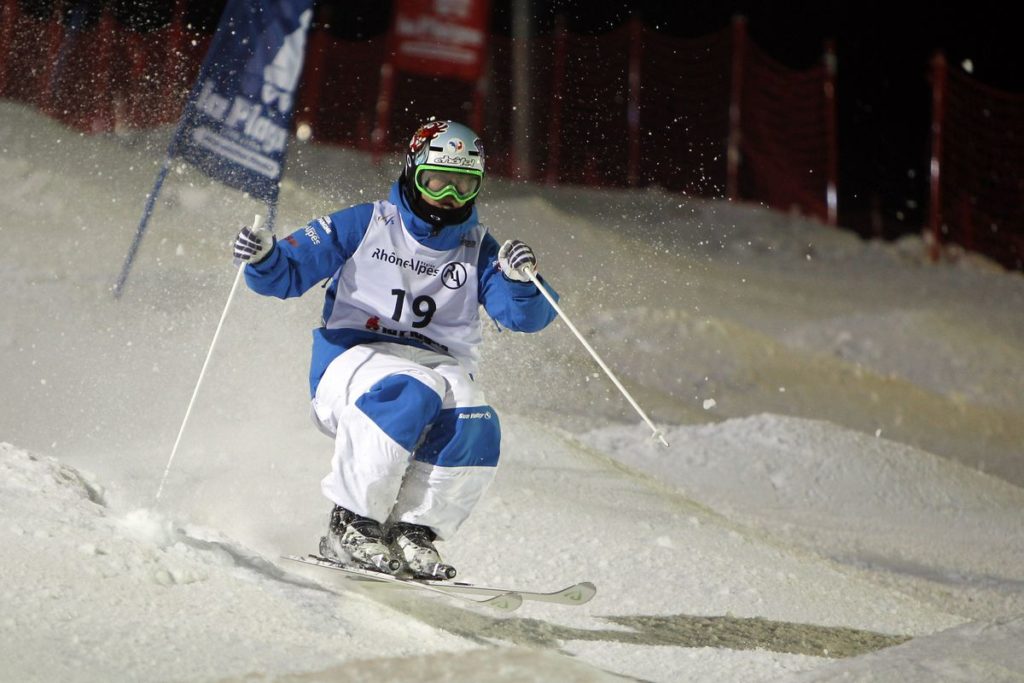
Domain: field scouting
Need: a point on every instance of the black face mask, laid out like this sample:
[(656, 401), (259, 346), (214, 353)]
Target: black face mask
[(436, 216)]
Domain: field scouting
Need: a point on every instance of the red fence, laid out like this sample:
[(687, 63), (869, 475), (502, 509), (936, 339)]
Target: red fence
[(712, 116), (630, 107), (787, 149), (96, 75), (977, 188)]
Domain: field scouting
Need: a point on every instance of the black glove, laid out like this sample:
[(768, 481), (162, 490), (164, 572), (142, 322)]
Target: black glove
[(252, 246)]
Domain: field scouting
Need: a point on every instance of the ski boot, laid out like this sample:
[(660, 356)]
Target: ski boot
[(413, 545), (358, 541)]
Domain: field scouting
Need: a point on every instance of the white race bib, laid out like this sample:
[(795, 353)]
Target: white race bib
[(396, 287)]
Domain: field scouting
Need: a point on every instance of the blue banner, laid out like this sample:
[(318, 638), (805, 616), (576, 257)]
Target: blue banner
[(237, 119)]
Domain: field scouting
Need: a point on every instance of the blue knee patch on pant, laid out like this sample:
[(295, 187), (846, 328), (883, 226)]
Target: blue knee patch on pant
[(402, 407), (463, 437)]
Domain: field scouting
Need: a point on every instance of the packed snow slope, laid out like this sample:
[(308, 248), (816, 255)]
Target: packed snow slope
[(841, 498)]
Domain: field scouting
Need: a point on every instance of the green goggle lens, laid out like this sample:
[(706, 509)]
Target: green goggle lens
[(438, 182)]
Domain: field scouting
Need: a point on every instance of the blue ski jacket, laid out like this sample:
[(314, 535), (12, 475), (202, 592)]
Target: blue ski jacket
[(317, 252)]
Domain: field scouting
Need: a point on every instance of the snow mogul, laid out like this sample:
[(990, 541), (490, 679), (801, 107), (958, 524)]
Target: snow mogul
[(394, 358)]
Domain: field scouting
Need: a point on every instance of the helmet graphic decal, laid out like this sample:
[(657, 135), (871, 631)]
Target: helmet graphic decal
[(425, 134), (456, 145)]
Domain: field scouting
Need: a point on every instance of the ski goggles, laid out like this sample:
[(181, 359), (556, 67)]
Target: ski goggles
[(438, 182)]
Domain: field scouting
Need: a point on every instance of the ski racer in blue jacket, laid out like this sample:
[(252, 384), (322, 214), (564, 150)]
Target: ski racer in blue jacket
[(392, 372)]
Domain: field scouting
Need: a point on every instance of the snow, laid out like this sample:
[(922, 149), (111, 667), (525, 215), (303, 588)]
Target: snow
[(841, 498)]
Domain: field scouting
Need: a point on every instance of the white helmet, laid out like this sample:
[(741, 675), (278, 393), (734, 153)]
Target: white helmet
[(445, 159)]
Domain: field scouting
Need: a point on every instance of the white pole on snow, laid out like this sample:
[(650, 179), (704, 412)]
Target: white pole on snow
[(202, 373), (656, 433)]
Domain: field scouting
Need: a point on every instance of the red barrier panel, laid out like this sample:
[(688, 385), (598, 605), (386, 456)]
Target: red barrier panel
[(593, 125), (785, 135), (10, 15), (550, 106), (980, 174), (25, 52), (338, 93), (684, 109), (101, 75)]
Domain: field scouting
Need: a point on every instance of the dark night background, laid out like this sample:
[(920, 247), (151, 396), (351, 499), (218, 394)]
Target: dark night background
[(883, 93), (884, 51), (883, 48)]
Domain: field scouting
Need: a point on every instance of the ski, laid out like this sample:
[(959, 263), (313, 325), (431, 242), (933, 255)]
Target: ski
[(574, 595), (506, 601)]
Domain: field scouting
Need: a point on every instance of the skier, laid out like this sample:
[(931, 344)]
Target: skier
[(392, 372)]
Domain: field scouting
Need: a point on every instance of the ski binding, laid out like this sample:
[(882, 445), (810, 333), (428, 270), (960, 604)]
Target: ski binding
[(503, 601)]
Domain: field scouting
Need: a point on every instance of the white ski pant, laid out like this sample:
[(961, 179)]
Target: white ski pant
[(414, 440)]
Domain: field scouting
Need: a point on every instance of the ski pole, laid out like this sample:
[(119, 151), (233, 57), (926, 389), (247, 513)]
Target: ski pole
[(202, 373), (657, 433)]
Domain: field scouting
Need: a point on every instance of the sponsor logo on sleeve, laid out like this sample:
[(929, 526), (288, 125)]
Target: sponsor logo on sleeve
[(325, 223), (479, 415)]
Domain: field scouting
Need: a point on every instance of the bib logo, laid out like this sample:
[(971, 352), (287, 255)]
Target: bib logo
[(454, 275)]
